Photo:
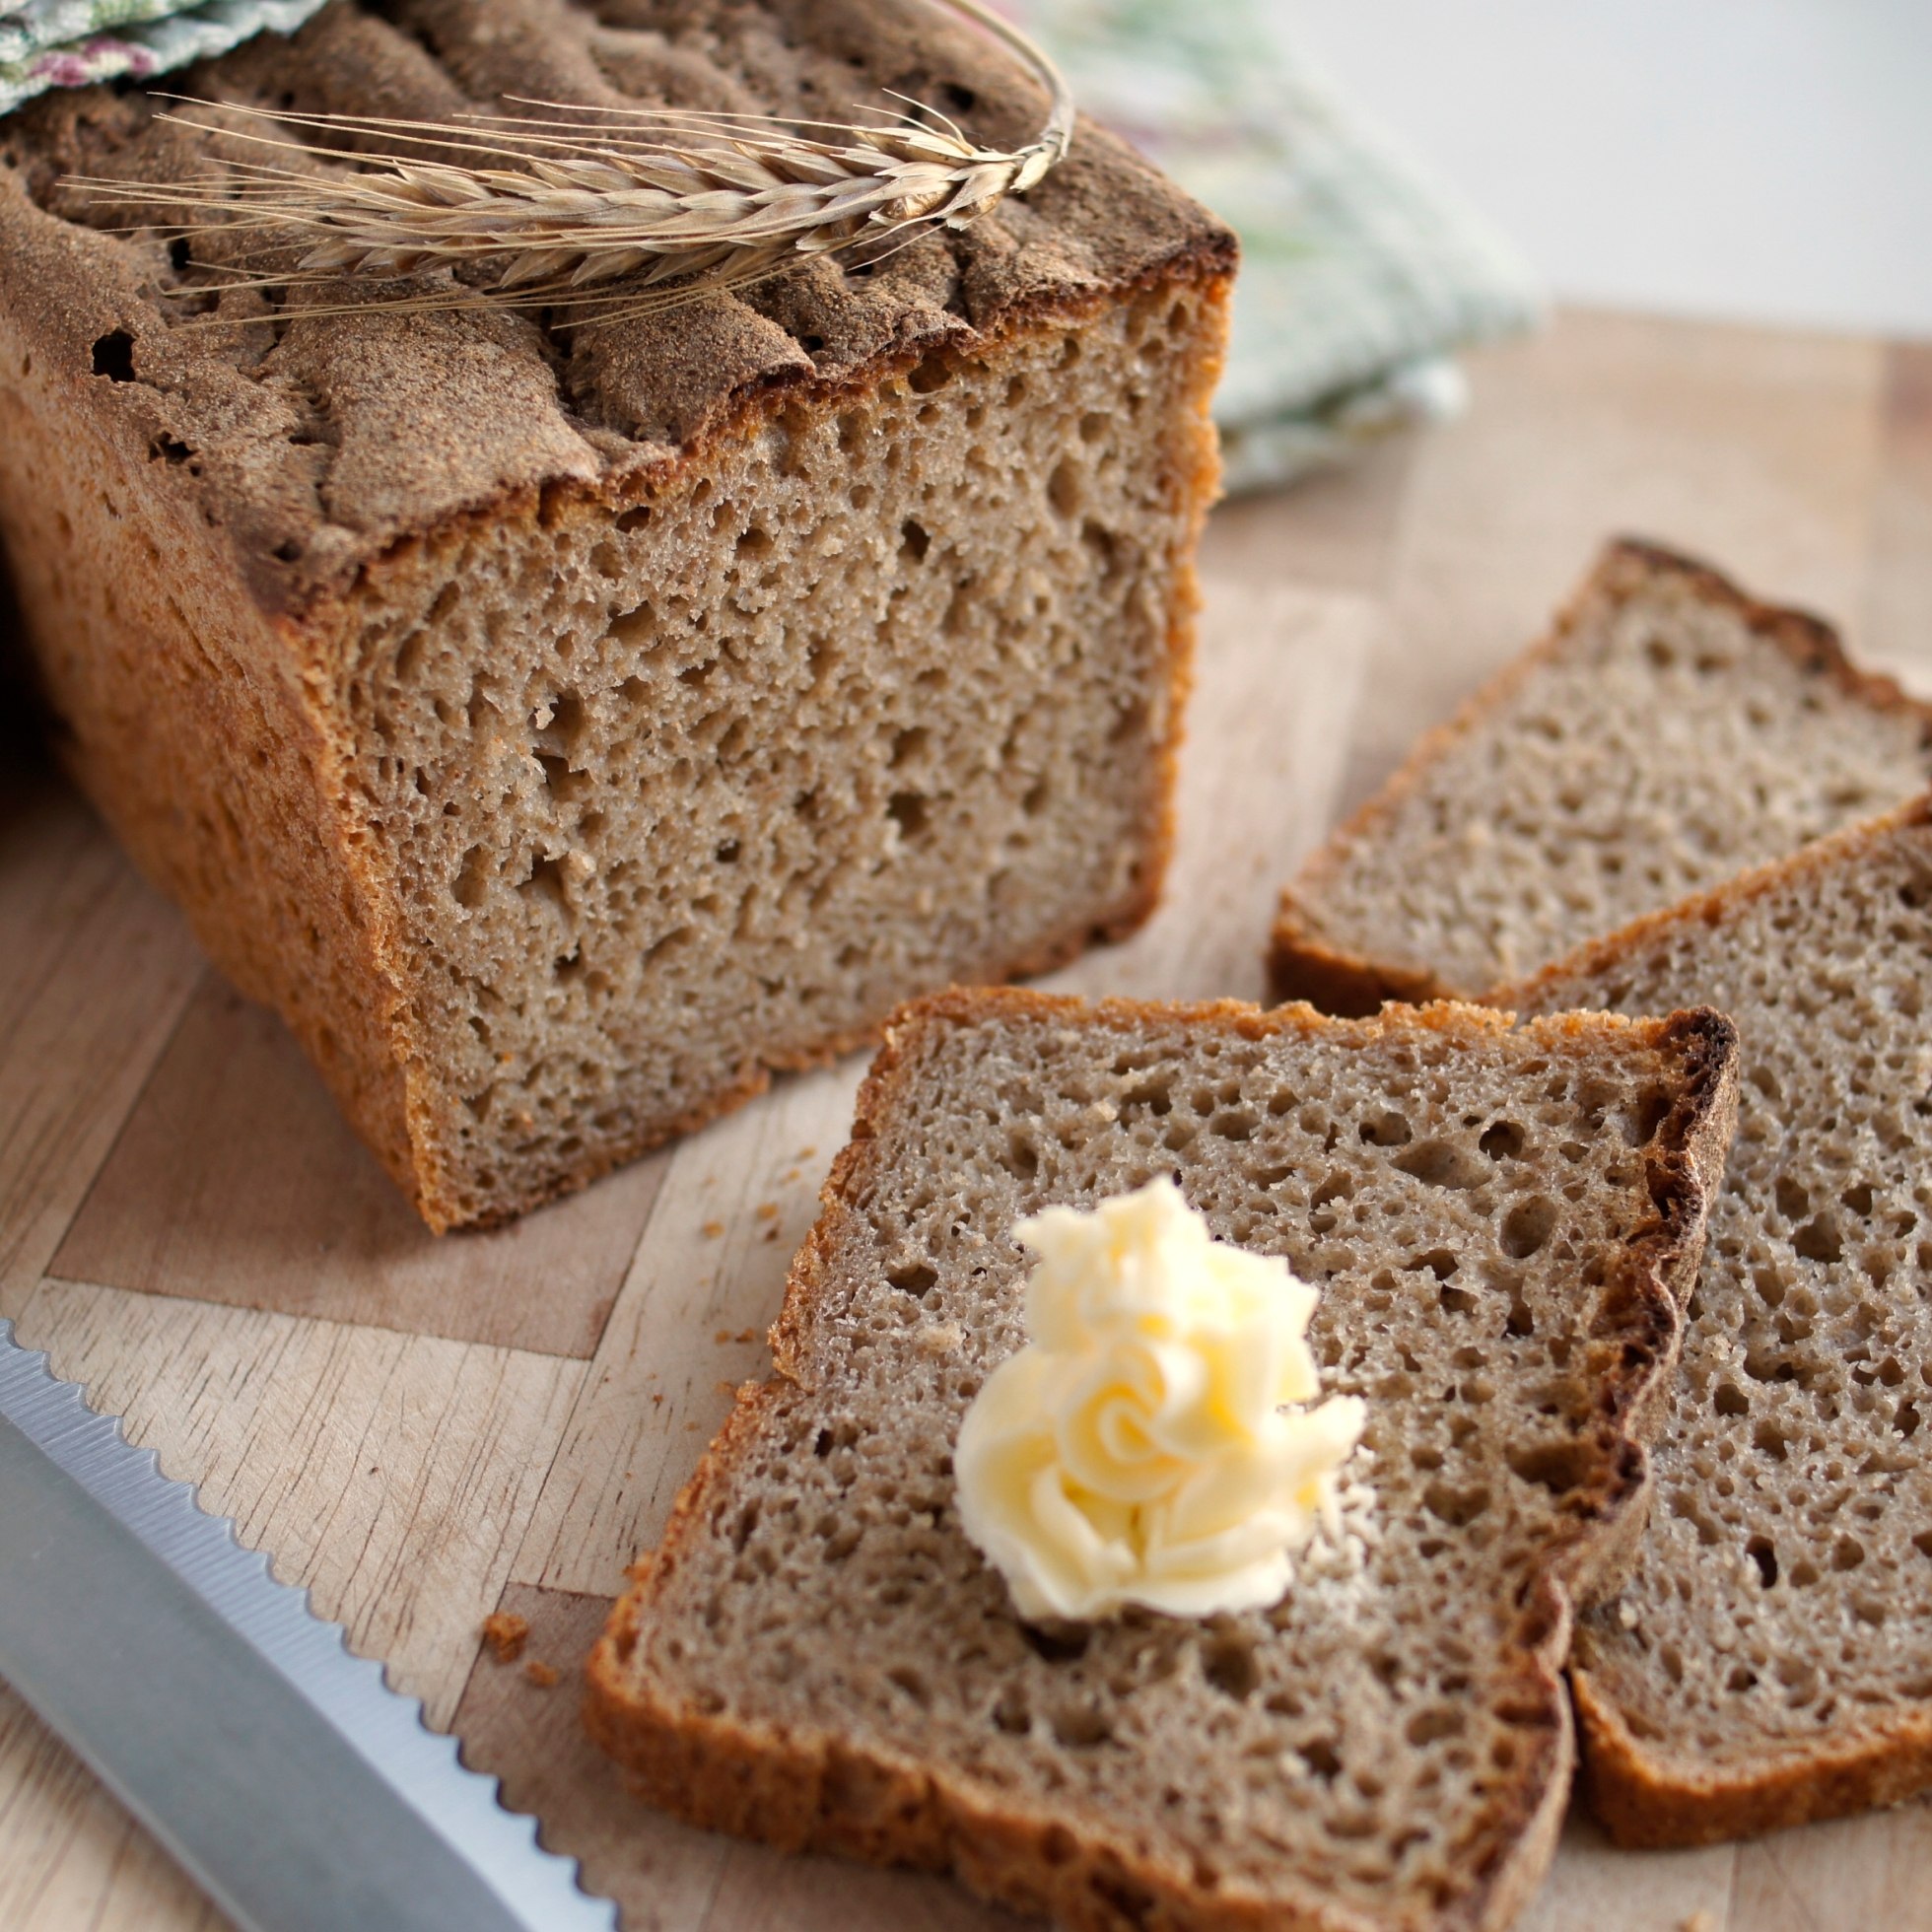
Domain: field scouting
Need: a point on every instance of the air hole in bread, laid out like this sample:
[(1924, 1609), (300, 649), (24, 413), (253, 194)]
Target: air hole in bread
[(1067, 488), (915, 1278), (911, 1682), (1057, 1643), (1527, 1226), (1081, 1726), (1453, 1506), (114, 356), (1819, 1240), (1559, 1466), (1231, 1666), (1443, 1164), (1432, 1725)]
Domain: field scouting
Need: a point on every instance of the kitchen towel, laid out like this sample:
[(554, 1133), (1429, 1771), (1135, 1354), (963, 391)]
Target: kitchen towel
[(47, 43), (1360, 273)]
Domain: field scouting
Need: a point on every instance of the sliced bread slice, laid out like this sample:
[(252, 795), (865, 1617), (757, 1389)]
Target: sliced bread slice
[(1669, 733), (1499, 1219), (1771, 1659)]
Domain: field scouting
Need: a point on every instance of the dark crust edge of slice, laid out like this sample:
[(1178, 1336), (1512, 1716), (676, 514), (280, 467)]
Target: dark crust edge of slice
[(1304, 965), (813, 1792), (1646, 1801), (1646, 1797)]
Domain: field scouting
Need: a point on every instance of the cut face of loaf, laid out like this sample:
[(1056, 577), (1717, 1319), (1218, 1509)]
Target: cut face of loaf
[(1771, 1659), (564, 726), (1497, 1220), (1669, 733)]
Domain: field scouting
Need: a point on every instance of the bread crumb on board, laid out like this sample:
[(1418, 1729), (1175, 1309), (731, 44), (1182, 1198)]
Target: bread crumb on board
[(542, 1675), (506, 1633)]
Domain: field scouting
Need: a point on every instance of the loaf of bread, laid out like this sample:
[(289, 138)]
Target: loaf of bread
[(1501, 1221), (1771, 1659), (564, 725), (1669, 733)]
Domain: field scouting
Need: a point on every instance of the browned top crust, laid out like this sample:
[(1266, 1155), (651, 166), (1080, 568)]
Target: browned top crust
[(317, 442)]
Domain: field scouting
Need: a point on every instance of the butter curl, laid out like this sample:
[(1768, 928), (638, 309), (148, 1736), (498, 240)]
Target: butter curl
[(1152, 1443)]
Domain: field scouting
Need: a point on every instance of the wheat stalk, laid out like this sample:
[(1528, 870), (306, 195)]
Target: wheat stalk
[(639, 207)]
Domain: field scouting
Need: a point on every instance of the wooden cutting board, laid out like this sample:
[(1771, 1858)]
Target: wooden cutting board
[(426, 1431)]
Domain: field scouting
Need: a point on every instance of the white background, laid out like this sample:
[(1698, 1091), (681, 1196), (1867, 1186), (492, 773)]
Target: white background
[(1756, 160)]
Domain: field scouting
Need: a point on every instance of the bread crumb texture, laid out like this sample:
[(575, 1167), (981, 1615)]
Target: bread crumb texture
[(1771, 1659), (506, 1633), (564, 726), (1670, 732), (1497, 1221)]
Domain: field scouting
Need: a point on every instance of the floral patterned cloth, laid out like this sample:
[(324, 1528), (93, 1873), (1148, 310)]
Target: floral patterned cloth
[(47, 43), (1359, 273)]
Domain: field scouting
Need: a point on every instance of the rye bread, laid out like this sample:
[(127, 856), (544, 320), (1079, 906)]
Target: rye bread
[(1670, 731), (565, 726), (1770, 1660), (1501, 1221)]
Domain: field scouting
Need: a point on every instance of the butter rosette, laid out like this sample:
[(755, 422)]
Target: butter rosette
[(1152, 1443)]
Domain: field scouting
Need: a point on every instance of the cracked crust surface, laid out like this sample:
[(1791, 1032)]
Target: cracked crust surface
[(1502, 1220), (319, 441)]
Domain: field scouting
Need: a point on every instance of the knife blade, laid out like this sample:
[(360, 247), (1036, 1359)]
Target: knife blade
[(279, 1769)]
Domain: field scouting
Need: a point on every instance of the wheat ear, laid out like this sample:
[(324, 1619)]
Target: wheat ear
[(592, 206)]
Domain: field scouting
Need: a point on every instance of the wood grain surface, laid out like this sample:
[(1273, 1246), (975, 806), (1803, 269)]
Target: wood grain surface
[(424, 1431)]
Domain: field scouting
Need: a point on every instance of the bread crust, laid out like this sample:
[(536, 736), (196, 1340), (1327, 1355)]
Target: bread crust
[(234, 786), (815, 1792), (1646, 1800), (1304, 964), (1644, 1796)]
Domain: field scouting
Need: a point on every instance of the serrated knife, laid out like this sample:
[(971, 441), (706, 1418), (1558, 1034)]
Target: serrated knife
[(286, 1776)]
